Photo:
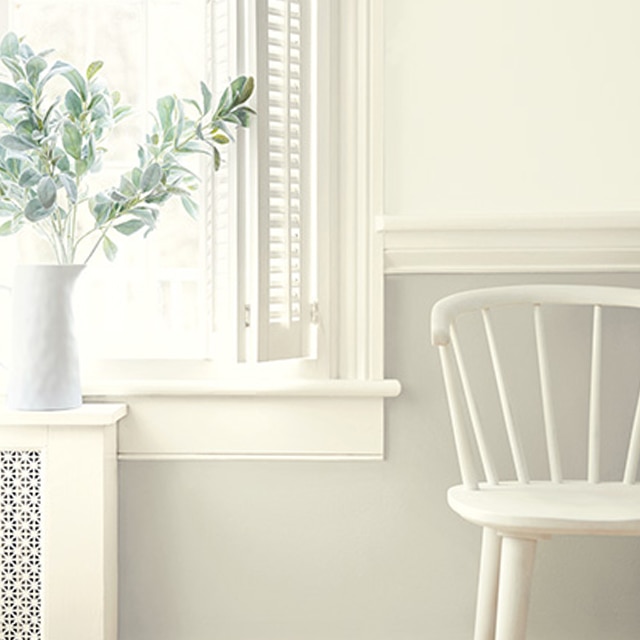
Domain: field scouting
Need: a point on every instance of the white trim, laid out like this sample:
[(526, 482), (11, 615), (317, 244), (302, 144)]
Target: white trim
[(252, 427), (88, 415), (359, 89), (511, 243), (247, 388)]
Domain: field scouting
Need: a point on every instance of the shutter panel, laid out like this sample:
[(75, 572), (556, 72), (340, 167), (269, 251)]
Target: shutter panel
[(284, 178)]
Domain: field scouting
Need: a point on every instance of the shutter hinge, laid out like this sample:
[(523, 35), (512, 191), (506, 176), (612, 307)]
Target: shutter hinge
[(315, 313), (247, 316)]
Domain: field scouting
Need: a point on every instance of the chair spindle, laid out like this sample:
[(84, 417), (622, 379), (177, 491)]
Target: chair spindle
[(551, 431), (460, 432), (633, 455), (519, 461), (487, 462), (594, 397)]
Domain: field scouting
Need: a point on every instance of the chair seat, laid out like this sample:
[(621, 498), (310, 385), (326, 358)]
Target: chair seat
[(546, 508)]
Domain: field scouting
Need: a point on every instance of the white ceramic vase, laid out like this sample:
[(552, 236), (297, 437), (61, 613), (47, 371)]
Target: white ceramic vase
[(44, 372)]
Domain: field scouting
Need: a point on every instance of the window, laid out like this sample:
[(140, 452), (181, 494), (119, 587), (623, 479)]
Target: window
[(150, 301), (286, 264), (250, 252)]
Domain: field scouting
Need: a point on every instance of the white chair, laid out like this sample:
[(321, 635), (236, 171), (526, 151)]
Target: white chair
[(516, 513)]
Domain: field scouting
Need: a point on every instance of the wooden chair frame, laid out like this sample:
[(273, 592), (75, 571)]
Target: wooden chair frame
[(516, 514)]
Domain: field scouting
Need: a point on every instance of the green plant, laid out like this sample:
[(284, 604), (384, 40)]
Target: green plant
[(50, 144)]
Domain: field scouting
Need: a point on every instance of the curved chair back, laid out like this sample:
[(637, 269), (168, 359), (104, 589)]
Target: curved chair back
[(474, 442)]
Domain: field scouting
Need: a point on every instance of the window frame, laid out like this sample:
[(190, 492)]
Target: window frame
[(266, 410)]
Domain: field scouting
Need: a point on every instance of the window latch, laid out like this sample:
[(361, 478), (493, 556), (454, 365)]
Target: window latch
[(315, 313), (247, 316)]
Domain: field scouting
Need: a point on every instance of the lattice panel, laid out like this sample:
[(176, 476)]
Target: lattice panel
[(21, 545)]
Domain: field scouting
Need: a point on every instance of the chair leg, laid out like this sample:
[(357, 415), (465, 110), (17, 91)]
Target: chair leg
[(485, 627), (516, 572)]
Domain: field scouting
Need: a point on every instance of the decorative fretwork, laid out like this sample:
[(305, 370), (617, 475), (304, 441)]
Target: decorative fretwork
[(21, 545)]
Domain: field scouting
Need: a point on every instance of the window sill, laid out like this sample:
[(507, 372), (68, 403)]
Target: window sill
[(199, 420)]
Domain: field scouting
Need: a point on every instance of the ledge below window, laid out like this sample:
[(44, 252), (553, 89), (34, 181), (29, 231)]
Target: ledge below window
[(194, 420)]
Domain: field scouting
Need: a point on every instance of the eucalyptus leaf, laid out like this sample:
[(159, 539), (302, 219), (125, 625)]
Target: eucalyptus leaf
[(29, 177), (73, 102), (93, 68), (69, 186), (72, 140), (151, 177), (34, 211), (77, 81), (206, 97), (129, 227), (35, 67), (9, 93), (189, 206), (165, 107), (47, 192), (110, 249), (9, 227), (17, 143), (9, 45)]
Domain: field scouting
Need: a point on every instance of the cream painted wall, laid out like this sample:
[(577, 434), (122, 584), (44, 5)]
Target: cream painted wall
[(502, 106)]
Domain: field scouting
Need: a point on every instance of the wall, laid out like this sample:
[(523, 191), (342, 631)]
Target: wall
[(494, 107), (506, 106), (348, 551)]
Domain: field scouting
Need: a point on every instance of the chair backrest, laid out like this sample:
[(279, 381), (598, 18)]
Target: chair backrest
[(474, 444)]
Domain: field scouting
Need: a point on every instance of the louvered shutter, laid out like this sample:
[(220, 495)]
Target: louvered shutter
[(284, 178)]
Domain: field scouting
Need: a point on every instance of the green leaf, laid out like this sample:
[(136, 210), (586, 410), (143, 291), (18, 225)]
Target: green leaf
[(77, 81), (70, 186), (110, 249), (151, 177), (127, 187), (220, 138), (245, 90), (116, 196), (72, 140), (93, 68), (189, 206), (241, 89), (129, 227), (9, 227), (35, 67), (34, 211), (73, 102), (9, 45), (25, 51), (206, 97), (16, 69), (225, 101), (47, 192), (165, 107), (29, 178), (17, 143), (9, 93), (82, 167)]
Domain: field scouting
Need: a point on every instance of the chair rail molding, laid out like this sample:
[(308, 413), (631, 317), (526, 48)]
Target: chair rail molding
[(511, 242)]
